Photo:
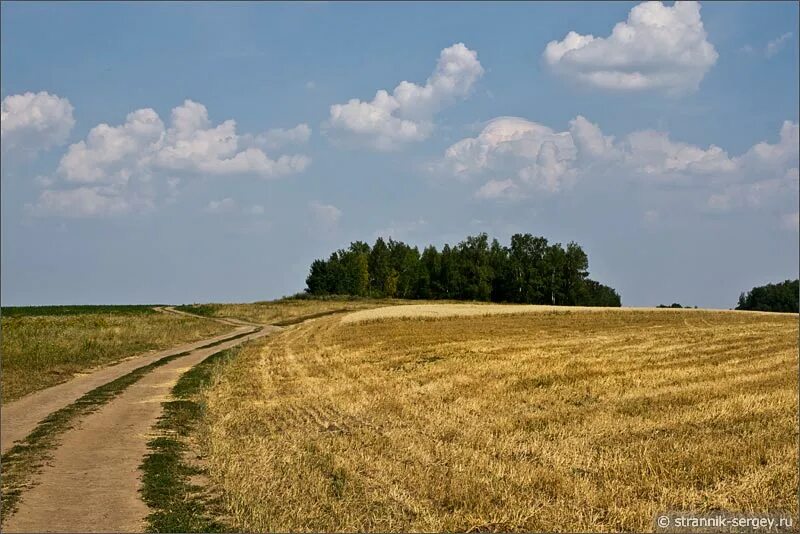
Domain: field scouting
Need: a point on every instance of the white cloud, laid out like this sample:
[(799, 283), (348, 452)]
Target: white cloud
[(35, 121), (389, 121), (498, 189), (226, 205), (325, 215), (754, 195), (534, 154), (777, 44), (110, 154), (79, 202), (136, 163), (516, 157), (280, 137), (192, 145), (659, 47)]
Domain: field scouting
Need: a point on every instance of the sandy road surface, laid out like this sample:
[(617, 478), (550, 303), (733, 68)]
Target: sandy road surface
[(19, 418), (92, 482)]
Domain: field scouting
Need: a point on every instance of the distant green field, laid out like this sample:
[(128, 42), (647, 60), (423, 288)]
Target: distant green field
[(28, 311)]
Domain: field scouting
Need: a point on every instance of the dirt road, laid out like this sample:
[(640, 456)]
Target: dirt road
[(18, 418), (91, 484)]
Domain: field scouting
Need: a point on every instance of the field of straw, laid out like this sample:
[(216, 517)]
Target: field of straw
[(43, 348), (556, 420)]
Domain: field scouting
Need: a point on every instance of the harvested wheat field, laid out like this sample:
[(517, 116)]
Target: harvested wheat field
[(547, 420)]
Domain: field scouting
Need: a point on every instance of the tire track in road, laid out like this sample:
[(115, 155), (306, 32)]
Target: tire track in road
[(91, 482)]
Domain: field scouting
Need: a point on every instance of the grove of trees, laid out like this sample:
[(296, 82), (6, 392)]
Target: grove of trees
[(529, 270), (781, 297)]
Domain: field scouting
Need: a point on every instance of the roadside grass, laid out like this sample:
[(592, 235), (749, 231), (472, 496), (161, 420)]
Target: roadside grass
[(27, 311), (25, 459), (177, 504), (43, 346), (570, 421)]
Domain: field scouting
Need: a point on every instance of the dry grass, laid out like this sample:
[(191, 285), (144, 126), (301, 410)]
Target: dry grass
[(564, 420), (473, 309), (39, 351), (271, 312)]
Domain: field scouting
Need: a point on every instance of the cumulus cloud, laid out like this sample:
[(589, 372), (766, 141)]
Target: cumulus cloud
[(35, 121), (325, 215), (140, 160), (659, 48), (534, 154), (498, 189), (405, 115), (515, 157)]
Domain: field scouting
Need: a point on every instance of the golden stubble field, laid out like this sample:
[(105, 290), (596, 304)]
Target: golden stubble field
[(568, 420)]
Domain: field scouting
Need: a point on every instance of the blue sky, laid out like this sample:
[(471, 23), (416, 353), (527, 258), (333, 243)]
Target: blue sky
[(666, 144)]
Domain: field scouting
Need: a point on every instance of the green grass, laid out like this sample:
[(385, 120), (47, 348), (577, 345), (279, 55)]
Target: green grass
[(39, 311), (44, 347), (177, 504), (25, 459), (206, 310)]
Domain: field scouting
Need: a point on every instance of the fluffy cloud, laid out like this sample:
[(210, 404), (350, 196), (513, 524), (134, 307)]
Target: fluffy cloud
[(658, 47), (532, 153), (35, 121), (325, 215), (126, 163), (516, 158), (389, 121)]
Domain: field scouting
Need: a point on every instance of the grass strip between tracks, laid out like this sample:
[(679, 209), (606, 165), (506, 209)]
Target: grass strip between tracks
[(176, 503), (25, 459)]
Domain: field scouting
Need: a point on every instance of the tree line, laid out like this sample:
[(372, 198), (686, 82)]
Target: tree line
[(529, 270), (781, 297)]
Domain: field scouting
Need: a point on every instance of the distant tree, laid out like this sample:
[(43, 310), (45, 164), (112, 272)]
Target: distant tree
[(379, 266), (597, 294), (390, 285), (575, 270), (430, 285), (475, 268), (780, 297), (317, 281), (528, 271)]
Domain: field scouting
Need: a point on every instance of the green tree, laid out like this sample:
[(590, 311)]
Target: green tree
[(780, 297), (379, 266)]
